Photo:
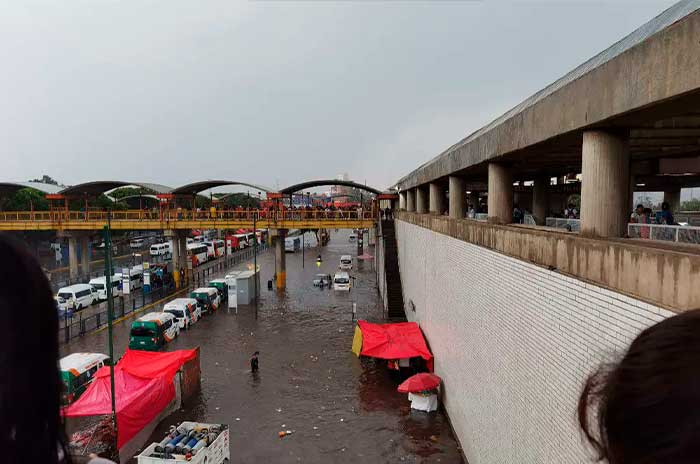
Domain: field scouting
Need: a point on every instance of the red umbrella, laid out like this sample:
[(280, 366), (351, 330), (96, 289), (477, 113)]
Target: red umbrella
[(420, 382)]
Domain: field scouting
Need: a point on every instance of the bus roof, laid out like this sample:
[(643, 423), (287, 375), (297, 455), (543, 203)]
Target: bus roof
[(180, 301), (208, 290), (154, 317), (81, 361)]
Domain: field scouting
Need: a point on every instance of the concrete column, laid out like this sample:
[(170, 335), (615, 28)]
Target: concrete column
[(411, 200), (540, 199), (500, 200), (281, 258), (73, 257), (604, 189), (673, 198), (458, 198), (402, 200), (179, 253), (85, 256), (436, 198), (421, 200)]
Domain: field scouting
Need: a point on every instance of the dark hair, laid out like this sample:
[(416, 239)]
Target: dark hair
[(664, 206), (640, 206), (646, 408), (31, 429)]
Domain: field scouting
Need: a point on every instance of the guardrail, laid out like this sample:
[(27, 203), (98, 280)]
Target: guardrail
[(572, 225), (679, 234), (175, 215)]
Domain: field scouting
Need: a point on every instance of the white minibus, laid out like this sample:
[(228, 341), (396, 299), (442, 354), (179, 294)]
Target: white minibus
[(99, 284), (345, 262), (341, 281), (79, 295)]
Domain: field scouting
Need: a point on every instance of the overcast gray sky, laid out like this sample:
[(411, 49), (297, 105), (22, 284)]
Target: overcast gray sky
[(274, 92)]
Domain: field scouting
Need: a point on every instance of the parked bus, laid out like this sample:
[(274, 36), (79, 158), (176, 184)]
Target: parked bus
[(78, 296), (100, 286), (221, 286), (185, 310), (197, 253), (162, 249), (152, 331), (78, 371), (134, 279), (207, 297), (345, 263), (233, 244), (215, 248)]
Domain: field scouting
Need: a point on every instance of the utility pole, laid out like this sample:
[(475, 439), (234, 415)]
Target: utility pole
[(110, 314), (255, 260)]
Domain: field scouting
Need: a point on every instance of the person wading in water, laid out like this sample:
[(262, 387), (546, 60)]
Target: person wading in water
[(254, 362)]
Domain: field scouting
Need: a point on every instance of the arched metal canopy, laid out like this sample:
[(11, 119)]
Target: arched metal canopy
[(319, 183), (196, 187), (99, 187), (8, 188)]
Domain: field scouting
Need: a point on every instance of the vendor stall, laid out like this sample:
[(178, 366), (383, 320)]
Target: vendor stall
[(397, 342)]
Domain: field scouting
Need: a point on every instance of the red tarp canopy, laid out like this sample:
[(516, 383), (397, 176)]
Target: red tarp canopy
[(143, 383), (394, 341)]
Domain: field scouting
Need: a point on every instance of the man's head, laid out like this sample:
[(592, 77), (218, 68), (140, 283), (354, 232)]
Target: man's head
[(664, 206), (640, 209)]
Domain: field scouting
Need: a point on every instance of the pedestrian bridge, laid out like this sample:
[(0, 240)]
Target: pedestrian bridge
[(63, 220)]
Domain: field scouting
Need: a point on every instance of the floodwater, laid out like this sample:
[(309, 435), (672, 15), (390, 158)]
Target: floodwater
[(340, 408)]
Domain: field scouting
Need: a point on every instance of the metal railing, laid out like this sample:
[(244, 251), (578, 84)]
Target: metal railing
[(678, 234), (181, 214), (78, 325), (572, 225)]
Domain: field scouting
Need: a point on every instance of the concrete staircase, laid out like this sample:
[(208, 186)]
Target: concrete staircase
[(395, 306)]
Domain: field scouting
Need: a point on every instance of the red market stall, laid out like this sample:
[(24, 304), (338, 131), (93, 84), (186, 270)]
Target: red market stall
[(391, 341), (145, 387)]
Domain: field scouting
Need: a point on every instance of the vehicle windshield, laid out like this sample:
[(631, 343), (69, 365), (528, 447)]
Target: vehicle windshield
[(346, 261), (65, 296), (60, 299), (342, 280), (142, 332), (98, 286), (202, 300), (175, 312)]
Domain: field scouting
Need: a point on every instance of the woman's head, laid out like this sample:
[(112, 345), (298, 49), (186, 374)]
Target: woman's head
[(30, 387), (646, 408)]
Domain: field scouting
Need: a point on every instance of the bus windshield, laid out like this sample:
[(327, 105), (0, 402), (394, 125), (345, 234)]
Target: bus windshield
[(142, 332), (98, 286), (66, 296), (342, 280)]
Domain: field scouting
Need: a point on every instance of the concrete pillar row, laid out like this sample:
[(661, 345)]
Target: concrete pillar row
[(280, 257), (458, 199), (85, 256), (73, 257), (402, 200), (421, 200), (673, 198), (411, 200), (540, 199), (605, 184), (436, 199), (500, 199)]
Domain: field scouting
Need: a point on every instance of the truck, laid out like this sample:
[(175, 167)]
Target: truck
[(190, 442)]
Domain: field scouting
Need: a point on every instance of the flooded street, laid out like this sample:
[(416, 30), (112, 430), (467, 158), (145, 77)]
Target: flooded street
[(340, 408)]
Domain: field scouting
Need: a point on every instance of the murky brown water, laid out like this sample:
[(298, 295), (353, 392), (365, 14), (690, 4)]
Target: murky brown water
[(341, 408)]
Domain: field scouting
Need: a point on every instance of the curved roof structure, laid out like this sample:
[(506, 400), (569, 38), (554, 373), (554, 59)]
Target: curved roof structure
[(133, 198), (101, 186), (196, 187), (322, 182), (8, 188)]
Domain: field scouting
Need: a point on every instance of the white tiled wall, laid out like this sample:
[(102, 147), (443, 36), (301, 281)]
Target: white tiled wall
[(513, 343)]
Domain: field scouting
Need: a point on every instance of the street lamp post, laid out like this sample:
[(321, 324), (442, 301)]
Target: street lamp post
[(110, 315)]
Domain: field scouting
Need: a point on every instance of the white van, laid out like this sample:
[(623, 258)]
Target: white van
[(135, 277), (136, 243), (161, 249), (79, 296), (345, 262), (185, 310), (99, 284), (341, 281)]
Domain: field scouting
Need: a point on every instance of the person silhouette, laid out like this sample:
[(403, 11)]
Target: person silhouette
[(254, 362)]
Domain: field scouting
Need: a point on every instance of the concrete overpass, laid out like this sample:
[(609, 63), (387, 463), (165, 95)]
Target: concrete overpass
[(518, 315)]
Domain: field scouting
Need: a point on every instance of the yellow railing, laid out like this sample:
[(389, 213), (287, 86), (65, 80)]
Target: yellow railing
[(66, 219)]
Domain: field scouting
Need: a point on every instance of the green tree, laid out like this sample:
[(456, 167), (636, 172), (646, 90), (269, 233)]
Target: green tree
[(46, 180), (691, 205), (26, 199)]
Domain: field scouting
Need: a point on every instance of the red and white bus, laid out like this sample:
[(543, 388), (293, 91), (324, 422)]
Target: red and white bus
[(215, 248), (197, 253)]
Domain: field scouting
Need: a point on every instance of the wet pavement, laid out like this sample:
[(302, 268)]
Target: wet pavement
[(340, 408)]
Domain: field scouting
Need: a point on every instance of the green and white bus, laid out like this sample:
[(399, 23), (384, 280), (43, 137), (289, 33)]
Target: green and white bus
[(77, 372), (153, 331)]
